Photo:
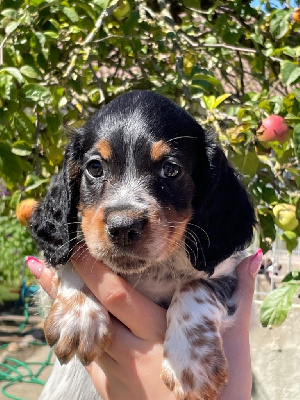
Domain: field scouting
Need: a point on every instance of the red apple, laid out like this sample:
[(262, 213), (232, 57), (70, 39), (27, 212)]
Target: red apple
[(273, 128)]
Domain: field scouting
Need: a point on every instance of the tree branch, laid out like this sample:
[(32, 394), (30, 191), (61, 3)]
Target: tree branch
[(105, 13), (2, 47)]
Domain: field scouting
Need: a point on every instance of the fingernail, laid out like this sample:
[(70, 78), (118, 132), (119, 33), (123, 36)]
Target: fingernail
[(35, 266), (256, 262)]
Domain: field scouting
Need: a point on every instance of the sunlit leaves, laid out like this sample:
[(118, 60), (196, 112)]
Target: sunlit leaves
[(13, 72), (290, 72), (277, 305), (297, 140), (280, 23), (230, 65), (34, 92)]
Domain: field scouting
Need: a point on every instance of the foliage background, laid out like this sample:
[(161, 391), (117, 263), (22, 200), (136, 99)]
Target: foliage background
[(227, 63)]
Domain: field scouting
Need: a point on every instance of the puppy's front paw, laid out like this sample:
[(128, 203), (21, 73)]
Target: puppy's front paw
[(194, 365), (200, 379), (77, 324)]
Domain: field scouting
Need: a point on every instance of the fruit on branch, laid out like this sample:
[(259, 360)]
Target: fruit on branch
[(273, 128), (296, 15), (122, 11), (285, 216)]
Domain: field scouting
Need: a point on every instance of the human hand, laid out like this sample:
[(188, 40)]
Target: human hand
[(130, 368)]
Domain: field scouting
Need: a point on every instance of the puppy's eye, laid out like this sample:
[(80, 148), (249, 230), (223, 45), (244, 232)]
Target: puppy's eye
[(94, 168), (170, 170)]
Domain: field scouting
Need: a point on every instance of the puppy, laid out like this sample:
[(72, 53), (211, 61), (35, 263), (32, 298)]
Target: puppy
[(149, 193)]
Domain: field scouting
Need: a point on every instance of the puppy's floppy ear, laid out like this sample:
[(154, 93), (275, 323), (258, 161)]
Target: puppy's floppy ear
[(223, 215), (53, 223)]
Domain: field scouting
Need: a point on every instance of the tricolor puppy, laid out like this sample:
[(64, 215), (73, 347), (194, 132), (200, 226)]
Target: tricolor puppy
[(149, 193)]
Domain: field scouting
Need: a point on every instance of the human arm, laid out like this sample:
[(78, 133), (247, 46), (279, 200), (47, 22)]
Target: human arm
[(130, 367)]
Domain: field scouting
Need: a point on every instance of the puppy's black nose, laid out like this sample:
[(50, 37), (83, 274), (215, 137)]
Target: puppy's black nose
[(124, 228)]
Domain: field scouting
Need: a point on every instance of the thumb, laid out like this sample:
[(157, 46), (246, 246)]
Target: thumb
[(246, 273), (44, 274)]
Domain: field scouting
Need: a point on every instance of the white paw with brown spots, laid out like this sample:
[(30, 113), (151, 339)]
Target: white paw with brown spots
[(194, 365), (77, 322), (77, 325), (193, 383)]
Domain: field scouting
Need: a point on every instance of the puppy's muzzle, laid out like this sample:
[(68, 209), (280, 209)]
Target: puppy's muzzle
[(125, 225)]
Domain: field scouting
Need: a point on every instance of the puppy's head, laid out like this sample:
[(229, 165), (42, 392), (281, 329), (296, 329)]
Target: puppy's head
[(141, 180)]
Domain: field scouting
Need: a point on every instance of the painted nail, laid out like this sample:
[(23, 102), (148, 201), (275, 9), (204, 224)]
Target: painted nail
[(256, 262), (35, 266)]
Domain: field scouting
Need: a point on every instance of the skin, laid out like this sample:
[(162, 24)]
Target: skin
[(130, 367)]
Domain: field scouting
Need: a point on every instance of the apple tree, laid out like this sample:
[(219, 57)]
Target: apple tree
[(229, 64)]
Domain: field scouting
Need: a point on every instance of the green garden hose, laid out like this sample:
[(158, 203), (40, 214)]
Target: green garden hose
[(14, 371)]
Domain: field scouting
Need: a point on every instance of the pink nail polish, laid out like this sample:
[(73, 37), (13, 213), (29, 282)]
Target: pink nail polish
[(256, 262), (35, 266)]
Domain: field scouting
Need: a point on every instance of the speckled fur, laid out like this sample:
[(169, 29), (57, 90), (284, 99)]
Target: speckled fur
[(176, 238)]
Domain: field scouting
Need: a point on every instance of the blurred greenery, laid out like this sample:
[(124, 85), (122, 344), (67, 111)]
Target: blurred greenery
[(229, 64), (15, 244), (8, 294)]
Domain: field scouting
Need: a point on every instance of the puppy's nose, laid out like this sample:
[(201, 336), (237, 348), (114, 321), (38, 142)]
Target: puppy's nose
[(124, 228)]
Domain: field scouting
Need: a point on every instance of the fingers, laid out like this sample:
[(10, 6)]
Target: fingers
[(144, 318), (98, 377), (236, 338), (246, 272), (46, 276)]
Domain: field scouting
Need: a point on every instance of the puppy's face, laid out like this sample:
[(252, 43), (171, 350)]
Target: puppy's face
[(136, 189), (133, 177)]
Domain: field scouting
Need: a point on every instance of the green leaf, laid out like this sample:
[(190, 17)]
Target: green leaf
[(53, 123), (35, 92), (35, 184), (31, 72), (87, 8), (96, 96), (12, 26), (245, 163), (199, 79), (291, 240), (13, 72), (277, 304), (280, 24), (209, 102), (15, 199), (288, 70), (292, 276), (294, 76), (35, 2), (71, 14), (131, 22), (220, 99), (102, 3), (10, 13), (297, 94), (10, 166), (297, 140), (23, 124), (192, 3), (21, 148), (51, 36)]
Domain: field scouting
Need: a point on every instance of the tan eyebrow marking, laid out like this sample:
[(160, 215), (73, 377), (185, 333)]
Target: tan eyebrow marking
[(159, 150), (104, 149)]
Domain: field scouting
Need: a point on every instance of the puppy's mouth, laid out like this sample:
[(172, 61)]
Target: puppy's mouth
[(125, 264), (129, 240)]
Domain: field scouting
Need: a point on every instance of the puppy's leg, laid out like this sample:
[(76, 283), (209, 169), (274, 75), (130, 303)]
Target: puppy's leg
[(77, 322), (69, 382), (194, 365)]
